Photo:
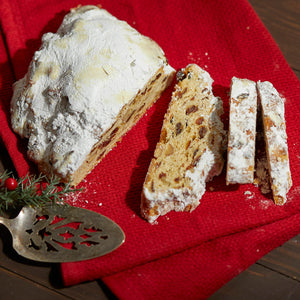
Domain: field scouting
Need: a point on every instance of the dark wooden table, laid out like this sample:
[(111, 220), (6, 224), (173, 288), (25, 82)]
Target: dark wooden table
[(275, 276)]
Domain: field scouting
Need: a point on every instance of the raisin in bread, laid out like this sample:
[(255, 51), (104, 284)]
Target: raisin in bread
[(272, 105), (88, 84), (190, 150), (242, 131)]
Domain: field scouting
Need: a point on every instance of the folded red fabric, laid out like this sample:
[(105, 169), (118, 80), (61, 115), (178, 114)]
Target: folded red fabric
[(231, 229), (199, 271)]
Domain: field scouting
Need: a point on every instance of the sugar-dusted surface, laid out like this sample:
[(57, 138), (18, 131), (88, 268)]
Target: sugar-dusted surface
[(77, 83), (242, 130)]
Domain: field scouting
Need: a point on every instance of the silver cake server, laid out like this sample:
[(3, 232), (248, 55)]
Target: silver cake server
[(62, 233)]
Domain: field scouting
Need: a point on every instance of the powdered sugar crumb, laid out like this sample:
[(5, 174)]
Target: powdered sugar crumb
[(295, 192), (252, 207), (265, 204), (249, 194), (193, 58), (72, 198)]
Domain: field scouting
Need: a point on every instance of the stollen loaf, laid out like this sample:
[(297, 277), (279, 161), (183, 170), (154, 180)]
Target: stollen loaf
[(86, 86)]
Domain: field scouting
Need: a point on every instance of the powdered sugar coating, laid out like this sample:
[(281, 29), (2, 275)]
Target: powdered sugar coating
[(78, 82), (242, 128), (179, 199), (276, 140)]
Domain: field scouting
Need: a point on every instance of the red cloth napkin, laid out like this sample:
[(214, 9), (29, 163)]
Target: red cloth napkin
[(184, 255)]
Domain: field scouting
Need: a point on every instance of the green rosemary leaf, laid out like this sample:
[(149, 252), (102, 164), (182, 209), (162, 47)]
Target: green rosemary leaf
[(33, 191)]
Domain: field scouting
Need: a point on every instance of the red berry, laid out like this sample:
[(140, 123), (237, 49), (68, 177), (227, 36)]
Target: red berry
[(11, 184)]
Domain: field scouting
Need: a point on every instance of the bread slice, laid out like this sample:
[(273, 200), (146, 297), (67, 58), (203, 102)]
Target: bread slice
[(272, 105), (189, 152), (242, 130), (85, 88)]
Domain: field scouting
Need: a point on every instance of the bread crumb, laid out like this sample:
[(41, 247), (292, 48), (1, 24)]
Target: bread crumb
[(249, 194)]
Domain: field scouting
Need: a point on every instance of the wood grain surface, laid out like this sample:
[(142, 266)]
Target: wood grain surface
[(275, 276)]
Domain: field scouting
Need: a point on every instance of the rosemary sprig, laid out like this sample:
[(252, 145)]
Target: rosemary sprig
[(33, 191)]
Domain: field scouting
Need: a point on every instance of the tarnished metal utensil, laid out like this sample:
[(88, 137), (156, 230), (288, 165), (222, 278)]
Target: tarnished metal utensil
[(62, 233)]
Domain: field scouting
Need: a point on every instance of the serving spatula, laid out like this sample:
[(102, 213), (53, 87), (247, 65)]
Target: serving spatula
[(62, 233)]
